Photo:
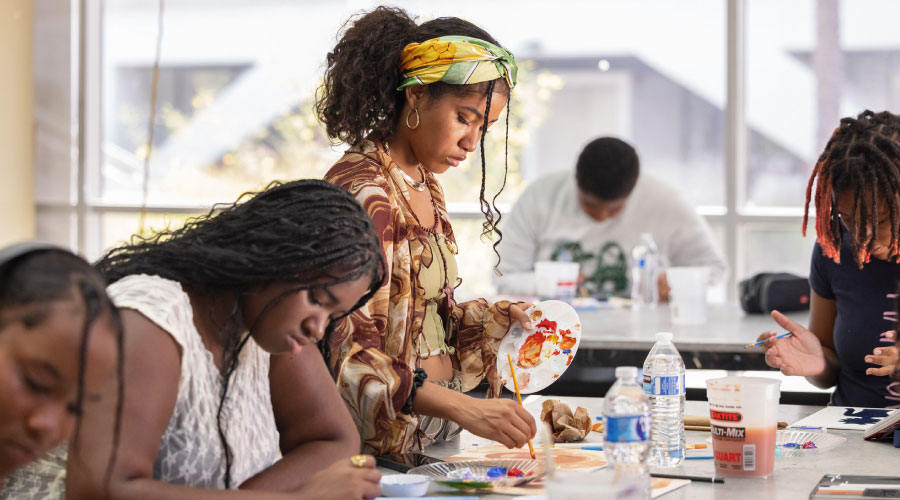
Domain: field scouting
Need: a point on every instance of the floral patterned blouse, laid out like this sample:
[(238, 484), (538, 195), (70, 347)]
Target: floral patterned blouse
[(374, 350)]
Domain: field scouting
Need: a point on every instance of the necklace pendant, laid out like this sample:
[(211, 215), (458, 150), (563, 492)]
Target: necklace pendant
[(450, 245), (448, 295), (417, 185)]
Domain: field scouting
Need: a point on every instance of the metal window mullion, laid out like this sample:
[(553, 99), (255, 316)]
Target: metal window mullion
[(735, 137), (90, 133)]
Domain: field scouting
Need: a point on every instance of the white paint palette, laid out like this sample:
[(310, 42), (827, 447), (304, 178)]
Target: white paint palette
[(542, 354)]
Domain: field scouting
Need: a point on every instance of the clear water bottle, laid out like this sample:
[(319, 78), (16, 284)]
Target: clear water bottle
[(626, 424), (664, 384), (644, 271)]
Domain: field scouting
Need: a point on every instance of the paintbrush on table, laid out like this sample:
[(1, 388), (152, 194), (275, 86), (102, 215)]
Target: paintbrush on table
[(512, 371), (701, 423), (599, 446)]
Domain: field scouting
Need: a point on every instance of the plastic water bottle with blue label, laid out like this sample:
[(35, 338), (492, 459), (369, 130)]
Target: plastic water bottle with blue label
[(644, 273), (664, 385), (626, 424)]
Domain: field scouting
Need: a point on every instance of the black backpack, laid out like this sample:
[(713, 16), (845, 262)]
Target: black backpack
[(764, 292)]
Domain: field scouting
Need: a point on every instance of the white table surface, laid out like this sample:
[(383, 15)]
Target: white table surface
[(727, 329), (794, 477)]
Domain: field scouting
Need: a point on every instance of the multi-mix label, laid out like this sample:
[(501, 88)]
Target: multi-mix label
[(728, 432), (740, 447)]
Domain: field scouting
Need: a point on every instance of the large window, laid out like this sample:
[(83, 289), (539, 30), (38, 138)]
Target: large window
[(809, 63), (237, 79)]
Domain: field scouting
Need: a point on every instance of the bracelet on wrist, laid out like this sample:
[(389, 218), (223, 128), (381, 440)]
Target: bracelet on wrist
[(419, 377)]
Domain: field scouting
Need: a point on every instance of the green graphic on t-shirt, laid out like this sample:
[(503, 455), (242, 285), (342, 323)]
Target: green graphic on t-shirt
[(570, 251), (605, 273)]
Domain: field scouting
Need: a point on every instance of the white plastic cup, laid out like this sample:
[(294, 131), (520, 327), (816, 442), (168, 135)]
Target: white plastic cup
[(556, 280), (687, 298), (743, 417)]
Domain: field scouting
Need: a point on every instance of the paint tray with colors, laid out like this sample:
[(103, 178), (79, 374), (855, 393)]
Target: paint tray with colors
[(800, 443), (542, 354), (481, 474)]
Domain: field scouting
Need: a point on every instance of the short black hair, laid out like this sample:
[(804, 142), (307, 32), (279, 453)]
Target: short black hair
[(607, 168)]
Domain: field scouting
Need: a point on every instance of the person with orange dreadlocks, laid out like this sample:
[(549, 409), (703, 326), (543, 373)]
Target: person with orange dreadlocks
[(850, 343)]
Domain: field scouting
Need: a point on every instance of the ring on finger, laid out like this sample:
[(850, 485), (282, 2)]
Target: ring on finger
[(358, 461)]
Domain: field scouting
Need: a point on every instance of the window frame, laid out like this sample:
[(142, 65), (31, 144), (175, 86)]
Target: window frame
[(85, 208)]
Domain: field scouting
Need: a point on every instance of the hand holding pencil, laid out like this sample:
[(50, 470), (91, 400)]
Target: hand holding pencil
[(798, 352)]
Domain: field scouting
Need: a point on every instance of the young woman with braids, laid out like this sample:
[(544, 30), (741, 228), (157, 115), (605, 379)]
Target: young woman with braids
[(222, 388), (412, 101), (854, 272), (59, 344)]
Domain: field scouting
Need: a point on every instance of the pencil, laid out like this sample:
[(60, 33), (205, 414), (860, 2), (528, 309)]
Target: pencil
[(761, 342), (512, 371), (705, 479), (599, 447)]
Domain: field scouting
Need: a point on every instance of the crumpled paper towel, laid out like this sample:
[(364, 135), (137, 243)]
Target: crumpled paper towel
[(566, 426)]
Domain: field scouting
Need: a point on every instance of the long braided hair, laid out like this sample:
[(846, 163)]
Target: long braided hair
[(308, 232), (33, 281), (862, 156), (358, 99)]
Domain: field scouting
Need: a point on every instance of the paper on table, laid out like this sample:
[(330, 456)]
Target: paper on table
[(844, 418), (661, 485)]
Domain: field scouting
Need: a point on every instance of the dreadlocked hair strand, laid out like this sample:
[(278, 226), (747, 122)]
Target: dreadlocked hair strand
[(502, 187), (862, 157)]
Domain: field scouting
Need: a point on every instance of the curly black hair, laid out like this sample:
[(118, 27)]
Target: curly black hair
[(297, 232), (358, 99), (862, 157), (31, 282)]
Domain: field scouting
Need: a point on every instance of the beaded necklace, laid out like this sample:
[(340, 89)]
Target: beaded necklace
[(433, 230)]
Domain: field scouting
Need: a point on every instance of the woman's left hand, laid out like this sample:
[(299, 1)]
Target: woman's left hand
[(517, 314), (887, 357)]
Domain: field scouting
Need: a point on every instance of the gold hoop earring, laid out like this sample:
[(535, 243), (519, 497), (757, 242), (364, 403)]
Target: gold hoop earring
[(417, 119)]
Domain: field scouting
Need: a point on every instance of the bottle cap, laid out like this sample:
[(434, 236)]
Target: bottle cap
[(629, 372), (664, 337)]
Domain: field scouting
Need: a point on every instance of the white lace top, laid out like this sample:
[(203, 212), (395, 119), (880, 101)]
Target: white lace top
[(191, 452)]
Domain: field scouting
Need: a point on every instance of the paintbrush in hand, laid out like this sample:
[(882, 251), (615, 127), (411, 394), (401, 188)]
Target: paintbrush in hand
[(512, 372)]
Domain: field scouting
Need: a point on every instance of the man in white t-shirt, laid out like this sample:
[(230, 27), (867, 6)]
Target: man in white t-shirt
[(596, 217)]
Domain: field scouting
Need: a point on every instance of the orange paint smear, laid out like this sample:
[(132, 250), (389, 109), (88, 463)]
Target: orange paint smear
[(530, 352)]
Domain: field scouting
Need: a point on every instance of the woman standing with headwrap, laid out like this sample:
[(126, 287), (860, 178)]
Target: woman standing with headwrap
[(413, 101)]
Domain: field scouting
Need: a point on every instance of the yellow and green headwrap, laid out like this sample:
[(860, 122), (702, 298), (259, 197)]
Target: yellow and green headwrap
[(457, 60)]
